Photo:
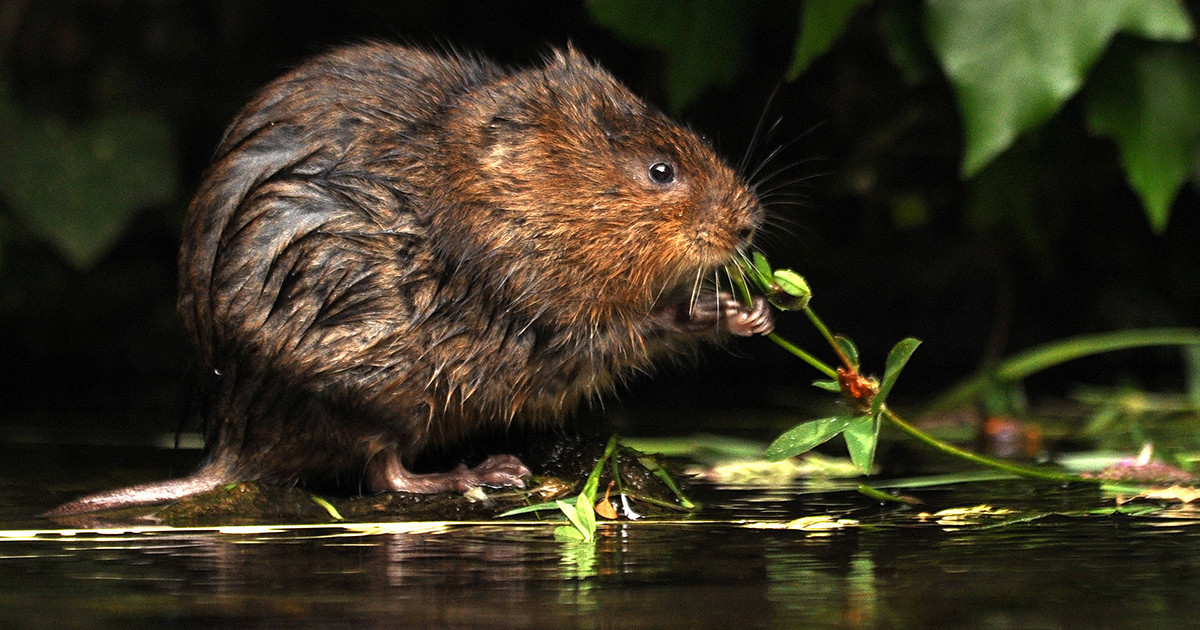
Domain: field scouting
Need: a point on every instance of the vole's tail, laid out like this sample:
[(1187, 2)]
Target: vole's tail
[(207, 478)]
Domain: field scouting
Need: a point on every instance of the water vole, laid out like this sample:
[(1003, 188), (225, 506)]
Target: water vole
[(395, 249)]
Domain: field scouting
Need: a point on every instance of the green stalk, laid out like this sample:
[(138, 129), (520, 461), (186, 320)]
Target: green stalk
[(996, 464), (816, 321), (804, 356)]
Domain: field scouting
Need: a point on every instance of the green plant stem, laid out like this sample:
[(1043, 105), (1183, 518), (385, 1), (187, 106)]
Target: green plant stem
[(816, 321), (996, 464), (804, 356)]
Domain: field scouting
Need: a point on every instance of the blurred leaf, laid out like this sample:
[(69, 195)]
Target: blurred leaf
[(805, 437), (896, 361), (1043, 357), (1148, 101), (900, 26), (821, 23), (1010, 195), (1191, 361), (1013, 63), (703, 40), (861, 434), (77, 186)]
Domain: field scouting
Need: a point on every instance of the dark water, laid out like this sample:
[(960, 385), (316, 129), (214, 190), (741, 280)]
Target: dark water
[(1053, 560)]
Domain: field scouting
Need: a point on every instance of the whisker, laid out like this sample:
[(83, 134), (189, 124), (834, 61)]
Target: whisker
[(695, 294), (757, 134), (753, 177)]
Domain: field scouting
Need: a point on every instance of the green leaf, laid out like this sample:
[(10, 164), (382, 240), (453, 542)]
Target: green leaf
[(586, 512), (593, 481), (896, 360), (804, 437), (581, 516), (791, 283), (1148, 101), (703, 40), (526, 509), (328, 507), (763, 267), (861, 435), (821, 23), (78, 186), (848, 348), (788, 291), (1013, 63), (829, 386), (759, 272)]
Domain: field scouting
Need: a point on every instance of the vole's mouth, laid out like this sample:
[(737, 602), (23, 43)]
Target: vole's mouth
[(703, 283)]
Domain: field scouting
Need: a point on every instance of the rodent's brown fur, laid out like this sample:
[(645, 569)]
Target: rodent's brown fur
[(395, 249)]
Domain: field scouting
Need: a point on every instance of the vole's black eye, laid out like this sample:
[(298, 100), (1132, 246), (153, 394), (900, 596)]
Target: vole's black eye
[(662, 173)]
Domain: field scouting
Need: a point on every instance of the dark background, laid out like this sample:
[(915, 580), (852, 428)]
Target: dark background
[(880, 229)]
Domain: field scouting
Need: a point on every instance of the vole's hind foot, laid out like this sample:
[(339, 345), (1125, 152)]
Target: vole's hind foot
[(497, 471), (387, 474)]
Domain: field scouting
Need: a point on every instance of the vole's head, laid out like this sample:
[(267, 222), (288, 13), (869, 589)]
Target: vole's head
[(589, 203)]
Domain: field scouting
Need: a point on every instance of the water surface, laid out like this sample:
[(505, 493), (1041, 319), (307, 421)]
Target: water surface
[(1041, 557)]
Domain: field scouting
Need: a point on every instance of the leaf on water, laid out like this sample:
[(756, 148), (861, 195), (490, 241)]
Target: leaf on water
[(568, 534), (587, 516), (963, 516), (820, 523), (1013, 64), (1146, 101), (897, 359), (805, 437), (861, 435), (1182, 494), (579, 515), (821, 23)]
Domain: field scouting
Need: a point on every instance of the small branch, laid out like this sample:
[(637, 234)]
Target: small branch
[(804, 356)]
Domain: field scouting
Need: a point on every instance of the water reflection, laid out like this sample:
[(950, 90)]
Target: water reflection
[(893, 569)]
